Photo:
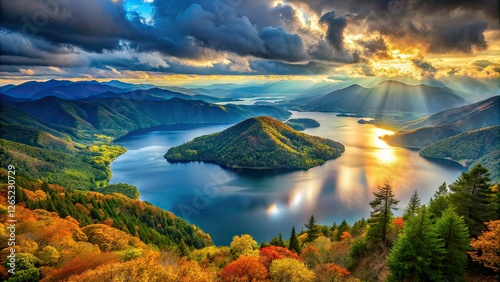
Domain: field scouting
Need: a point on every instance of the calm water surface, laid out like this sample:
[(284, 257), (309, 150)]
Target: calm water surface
[(227, 203)]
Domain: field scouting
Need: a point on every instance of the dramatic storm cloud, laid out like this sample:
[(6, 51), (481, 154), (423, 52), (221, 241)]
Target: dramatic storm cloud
[(85, 38)]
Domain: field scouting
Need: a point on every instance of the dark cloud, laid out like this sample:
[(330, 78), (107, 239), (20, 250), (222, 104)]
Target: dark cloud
[(374, 48), (336, 27), (446, 37), (426, 69)]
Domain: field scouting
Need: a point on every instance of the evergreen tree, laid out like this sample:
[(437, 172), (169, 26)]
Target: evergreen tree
[(412, 207), (294, 242), (183, 249), (312, 229), (417, 253), (344, 226), (440, 202), (472, 198), (451, 229), (381, 216)]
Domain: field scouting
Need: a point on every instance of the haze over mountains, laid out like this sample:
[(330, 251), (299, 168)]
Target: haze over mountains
[(383, 97)]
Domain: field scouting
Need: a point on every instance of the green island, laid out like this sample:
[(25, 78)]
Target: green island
[(258, 143), (301, 124)]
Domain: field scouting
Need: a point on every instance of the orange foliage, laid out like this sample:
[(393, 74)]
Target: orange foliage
[(268, 254), (398, 222), (345, 235), (487, 246), (245, 268), (80, 264), (330, 272)]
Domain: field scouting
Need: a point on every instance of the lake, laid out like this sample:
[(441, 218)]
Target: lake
[(226, 203)]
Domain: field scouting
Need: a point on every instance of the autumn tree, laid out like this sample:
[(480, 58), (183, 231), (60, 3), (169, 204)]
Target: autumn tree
[(453, 232), (245, 268), (270, 253), (312, 229), (294, 242), (244, 245), (440, 202), (420, 240), (487, 246), (290, 270), (344, 226), (49, 255), (381, 216), (311, 256), (412, 207), (472, 198), (330, 272)]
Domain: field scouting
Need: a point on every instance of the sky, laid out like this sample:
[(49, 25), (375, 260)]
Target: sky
[(230, 40)]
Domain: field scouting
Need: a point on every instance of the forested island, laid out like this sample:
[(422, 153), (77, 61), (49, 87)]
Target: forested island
[(301, 124), (258, 143)]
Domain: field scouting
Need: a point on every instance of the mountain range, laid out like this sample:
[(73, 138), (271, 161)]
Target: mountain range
[(384, 97), (258, 143)]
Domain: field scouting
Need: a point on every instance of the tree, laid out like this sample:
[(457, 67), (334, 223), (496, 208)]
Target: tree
[(453, 232), (183, 249), (412, 207), (381, 216), (26, 268), (344, 226), (440, 202), (487, 246), (417, 253), (268, 254), (294, 242), (290, 270), (244, 269), (311, 256), (278, 241), (312, 229), (244, 245), (49, 255), (331, 272), (472, 198)]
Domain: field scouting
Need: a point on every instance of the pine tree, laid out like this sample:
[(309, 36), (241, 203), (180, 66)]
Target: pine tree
[(381, 216), (472, 198), (451, 229), (312, 229), (440, 202), (294, 242), (417, 253), (344, 226), (183, 249), (412, 207)]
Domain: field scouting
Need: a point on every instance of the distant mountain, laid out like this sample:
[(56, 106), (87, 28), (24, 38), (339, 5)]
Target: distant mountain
[(76, 90), (116, 116), (6, 87), (30, 88), (127, 86), (258, 143), (155, 94), (422, 132), (385, 96), (476, 146)]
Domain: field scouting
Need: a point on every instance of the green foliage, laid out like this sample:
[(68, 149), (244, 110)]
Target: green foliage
[(412, 207), (440, 202), (453, 232), (132, 253), (417, 253), (122, 188), (259, 143), (277, 241), (381, 214), (294, 242), (344, 226), (183, 249), (301, 124), (358, 250), (312, 229), (26, 268), (472, 198), (469, 147)]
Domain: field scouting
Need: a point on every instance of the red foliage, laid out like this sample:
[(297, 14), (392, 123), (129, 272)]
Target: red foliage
[(331, 272), (338, 270), (268, 254), (399, 222), (244, 269)]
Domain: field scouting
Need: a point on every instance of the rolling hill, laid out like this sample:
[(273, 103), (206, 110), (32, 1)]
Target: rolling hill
[(385, 96), (425, 131), (476, 146), (258, 143)]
